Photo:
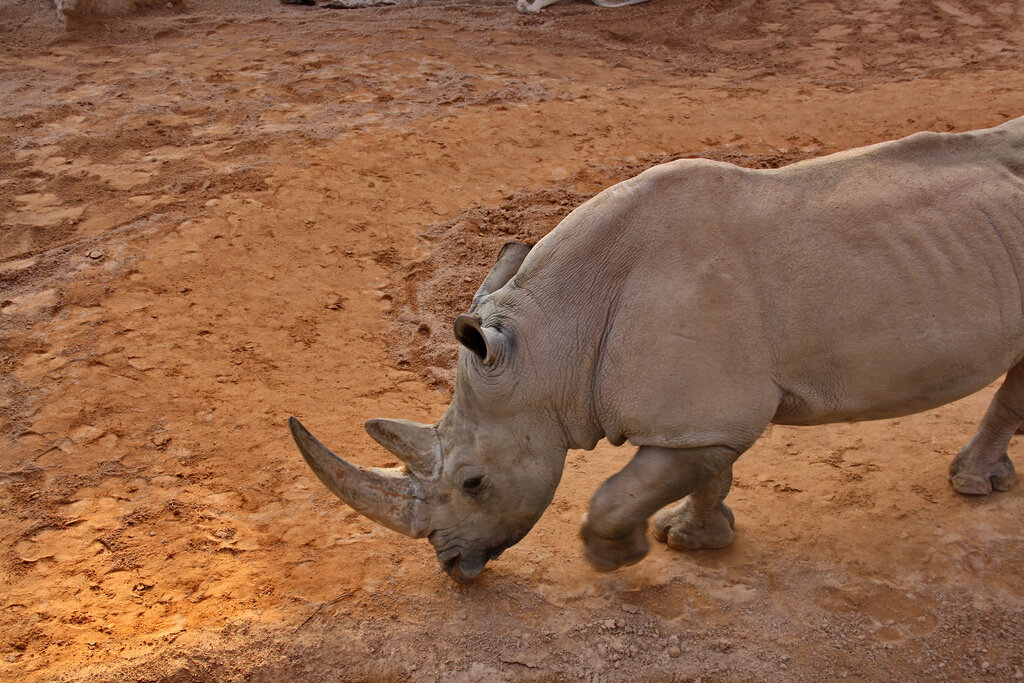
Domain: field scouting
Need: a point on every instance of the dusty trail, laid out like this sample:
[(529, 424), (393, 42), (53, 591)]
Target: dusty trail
[(214, 218)]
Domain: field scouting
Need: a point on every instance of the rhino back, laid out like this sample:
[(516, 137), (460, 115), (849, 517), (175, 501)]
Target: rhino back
[(897, 288), (697, 301)]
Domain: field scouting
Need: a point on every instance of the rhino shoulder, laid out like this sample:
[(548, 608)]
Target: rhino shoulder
[(696, 175)]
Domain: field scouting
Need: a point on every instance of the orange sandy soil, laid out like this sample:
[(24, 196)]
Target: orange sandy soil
[(217, 216)]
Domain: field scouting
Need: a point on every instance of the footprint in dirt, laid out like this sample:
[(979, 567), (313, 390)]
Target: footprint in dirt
[(895, 615)]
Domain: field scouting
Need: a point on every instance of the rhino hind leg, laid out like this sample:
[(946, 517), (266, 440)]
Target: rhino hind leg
[(615, 528), (701, 520), (982, 465)]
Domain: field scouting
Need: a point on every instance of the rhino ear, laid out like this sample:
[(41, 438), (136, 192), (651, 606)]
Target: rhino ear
[(484, 342), (417, 445), (510, 257)]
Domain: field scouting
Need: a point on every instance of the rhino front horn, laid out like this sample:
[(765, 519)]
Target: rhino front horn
[(386, 496)]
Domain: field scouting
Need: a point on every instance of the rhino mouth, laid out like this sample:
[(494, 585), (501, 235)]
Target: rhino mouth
[(461, 566), (465, 565)]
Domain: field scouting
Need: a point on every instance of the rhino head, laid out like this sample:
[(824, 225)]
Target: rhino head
[(477, 481)]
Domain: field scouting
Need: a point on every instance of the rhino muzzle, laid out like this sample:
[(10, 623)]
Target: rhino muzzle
[(390, 497), (461, 565)]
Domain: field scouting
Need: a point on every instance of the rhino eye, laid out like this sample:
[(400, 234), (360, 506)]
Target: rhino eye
[(472, 484)]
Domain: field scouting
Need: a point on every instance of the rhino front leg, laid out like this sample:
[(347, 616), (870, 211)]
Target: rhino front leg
[(982, 465), (615, 528)]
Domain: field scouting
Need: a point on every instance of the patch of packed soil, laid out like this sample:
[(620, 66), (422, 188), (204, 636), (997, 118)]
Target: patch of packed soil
[(221, 214)]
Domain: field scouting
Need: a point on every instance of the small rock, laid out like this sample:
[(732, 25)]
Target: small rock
[(335, 303), (674, 652), (985, 665), (1019, 675), (94, 254), (673, 639), (609, 624)]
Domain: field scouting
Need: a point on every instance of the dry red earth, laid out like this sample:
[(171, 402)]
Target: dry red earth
[(222, 214)]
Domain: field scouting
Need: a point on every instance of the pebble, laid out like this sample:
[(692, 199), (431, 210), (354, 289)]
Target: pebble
[(94, 254), (609, 624), (673, 639), (674, 652)]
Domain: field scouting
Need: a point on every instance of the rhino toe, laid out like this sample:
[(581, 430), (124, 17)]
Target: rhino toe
[(976, 481), (607, 555)]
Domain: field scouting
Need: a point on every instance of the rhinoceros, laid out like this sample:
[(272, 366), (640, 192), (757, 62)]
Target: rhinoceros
[(687, 309), (527, 7)]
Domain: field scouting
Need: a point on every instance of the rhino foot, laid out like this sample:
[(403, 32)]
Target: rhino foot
[(605, 554), (686, 527), (969, 478)]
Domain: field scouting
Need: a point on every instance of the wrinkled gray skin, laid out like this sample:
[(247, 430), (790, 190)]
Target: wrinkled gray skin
[(527, 7), (686, 309)]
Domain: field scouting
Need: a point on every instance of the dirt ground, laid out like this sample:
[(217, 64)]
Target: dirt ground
[(218, 215)]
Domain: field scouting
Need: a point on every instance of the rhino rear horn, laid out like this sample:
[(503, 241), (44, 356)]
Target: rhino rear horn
[(510, 257), (417, 445), (384, 495)]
